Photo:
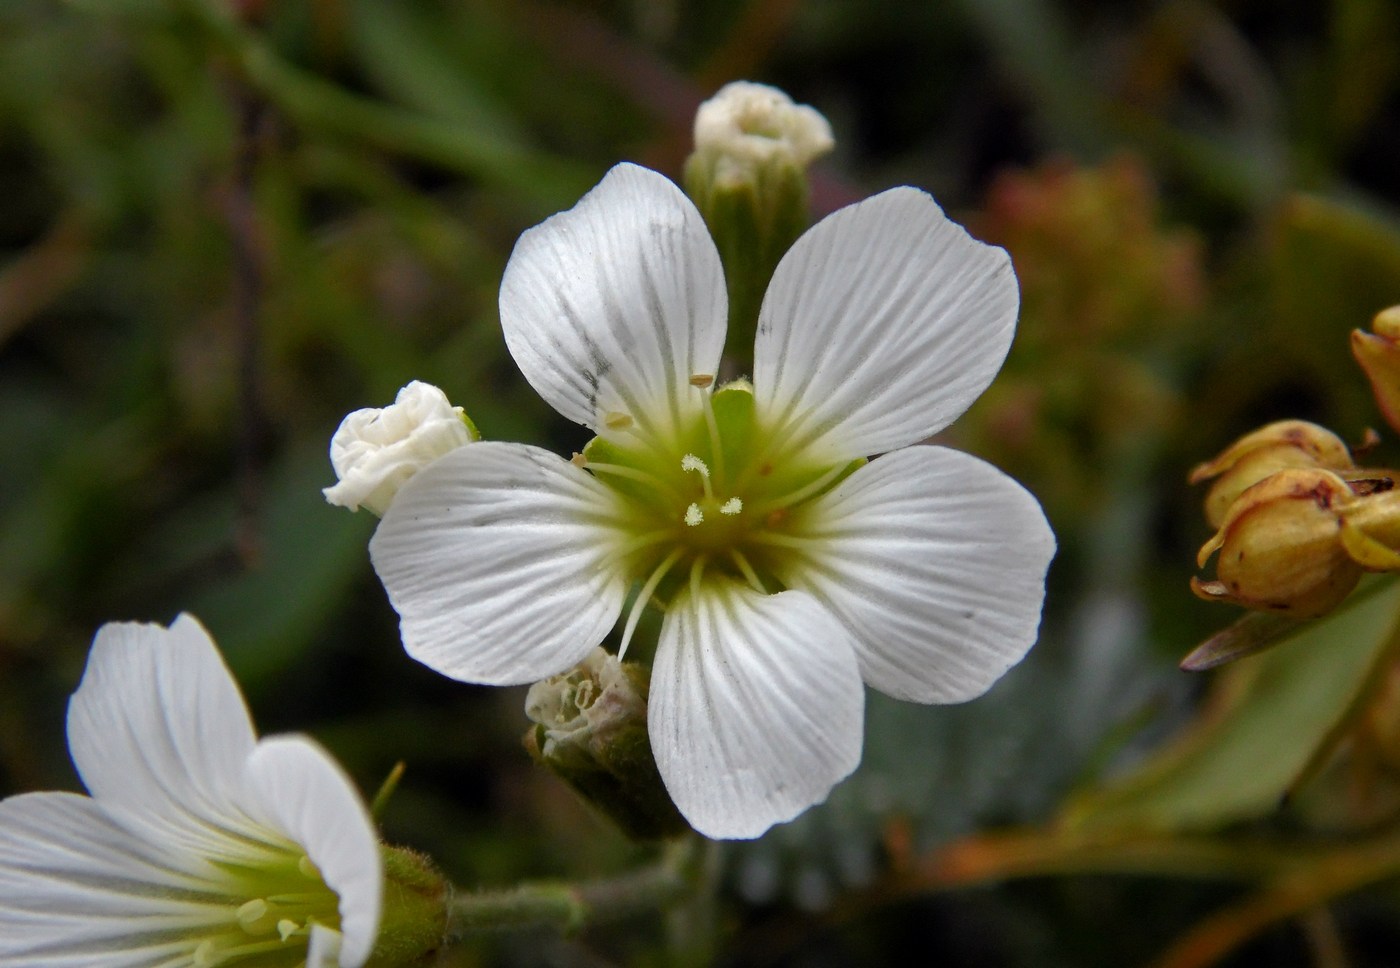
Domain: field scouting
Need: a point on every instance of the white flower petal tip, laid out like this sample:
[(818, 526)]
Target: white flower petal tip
[(756, 708), (750, 125), (375, 450), (610, 308), (199, 841), (882, 324)]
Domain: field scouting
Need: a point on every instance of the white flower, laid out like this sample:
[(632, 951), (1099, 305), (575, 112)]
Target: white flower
[(790, 570), (200, 845), (375, 450), (752, 124)]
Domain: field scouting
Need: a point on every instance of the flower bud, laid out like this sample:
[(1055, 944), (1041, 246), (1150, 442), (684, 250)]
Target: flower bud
[(1280, 546), (1378, 354), (1255, 456), (374, 451), (591, 730), (749, 127), (413, 924), (748, 177)]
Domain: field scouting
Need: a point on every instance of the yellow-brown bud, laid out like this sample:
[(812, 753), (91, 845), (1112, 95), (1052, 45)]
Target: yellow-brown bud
[(1279, 446), (1280, 546), (1378, 353)]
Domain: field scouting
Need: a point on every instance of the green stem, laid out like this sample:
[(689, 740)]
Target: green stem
[(571, 907)]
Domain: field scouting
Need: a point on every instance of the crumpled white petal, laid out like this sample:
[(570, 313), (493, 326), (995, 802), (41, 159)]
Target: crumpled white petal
[(752, 124), (882, 324), (756, 707), (374, 451), (497, 559), (157, 724), (306, 796), (612, 306), (936, 561)]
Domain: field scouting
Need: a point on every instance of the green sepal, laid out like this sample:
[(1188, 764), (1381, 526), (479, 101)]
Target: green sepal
[(472, 432), (417, 899), (754, 222)]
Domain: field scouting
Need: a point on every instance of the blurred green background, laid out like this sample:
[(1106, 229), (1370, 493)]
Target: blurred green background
[(224, 225)]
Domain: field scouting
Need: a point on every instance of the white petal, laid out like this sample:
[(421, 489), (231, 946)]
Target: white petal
[(756, 708), (613, 305), (936, 561), (496, 558), (157, 724), (307, 797), (882, 324), (324, 949), (77, 891)]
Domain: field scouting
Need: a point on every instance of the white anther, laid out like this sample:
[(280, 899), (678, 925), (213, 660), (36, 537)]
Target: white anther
[(692, 463), (693, 515), (701, 380), (251, 914), (287, 927), (731, 506)]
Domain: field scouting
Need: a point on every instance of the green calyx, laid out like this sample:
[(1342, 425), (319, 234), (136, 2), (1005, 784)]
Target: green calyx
[(754, 220), (414, 920)]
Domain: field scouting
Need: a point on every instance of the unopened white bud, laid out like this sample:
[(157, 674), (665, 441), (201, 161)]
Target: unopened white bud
[(375, 451), (751, 125)]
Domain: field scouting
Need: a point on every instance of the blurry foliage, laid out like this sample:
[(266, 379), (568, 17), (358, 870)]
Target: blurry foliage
[(217, 235)]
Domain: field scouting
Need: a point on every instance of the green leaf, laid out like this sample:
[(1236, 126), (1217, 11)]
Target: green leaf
[(1261, 728)]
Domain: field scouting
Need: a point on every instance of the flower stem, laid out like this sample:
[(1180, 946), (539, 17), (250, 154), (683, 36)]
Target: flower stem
[(572, 906)]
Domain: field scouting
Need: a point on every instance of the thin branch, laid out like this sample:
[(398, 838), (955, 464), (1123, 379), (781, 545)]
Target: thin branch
[(570, 907)]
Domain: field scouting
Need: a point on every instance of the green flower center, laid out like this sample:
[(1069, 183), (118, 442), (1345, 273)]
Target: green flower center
[(725, 497), (269, 900)]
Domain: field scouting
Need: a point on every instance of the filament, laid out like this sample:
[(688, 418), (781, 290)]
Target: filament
[(750, 575), (644, 596)]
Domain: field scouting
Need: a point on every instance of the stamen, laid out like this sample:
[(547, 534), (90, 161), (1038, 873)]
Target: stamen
[(731, 506), (644, 596), (782, 540), (578, 460), (252, 916), (716, 451), (287, 927), (642, 477), (636, 544), (692, 463), (617, 420), (750, 575), (693, 515), (802, 493)]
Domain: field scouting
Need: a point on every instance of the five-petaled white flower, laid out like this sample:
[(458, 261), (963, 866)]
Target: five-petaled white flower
[(375, 450), (789, 569), (200, 845)]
